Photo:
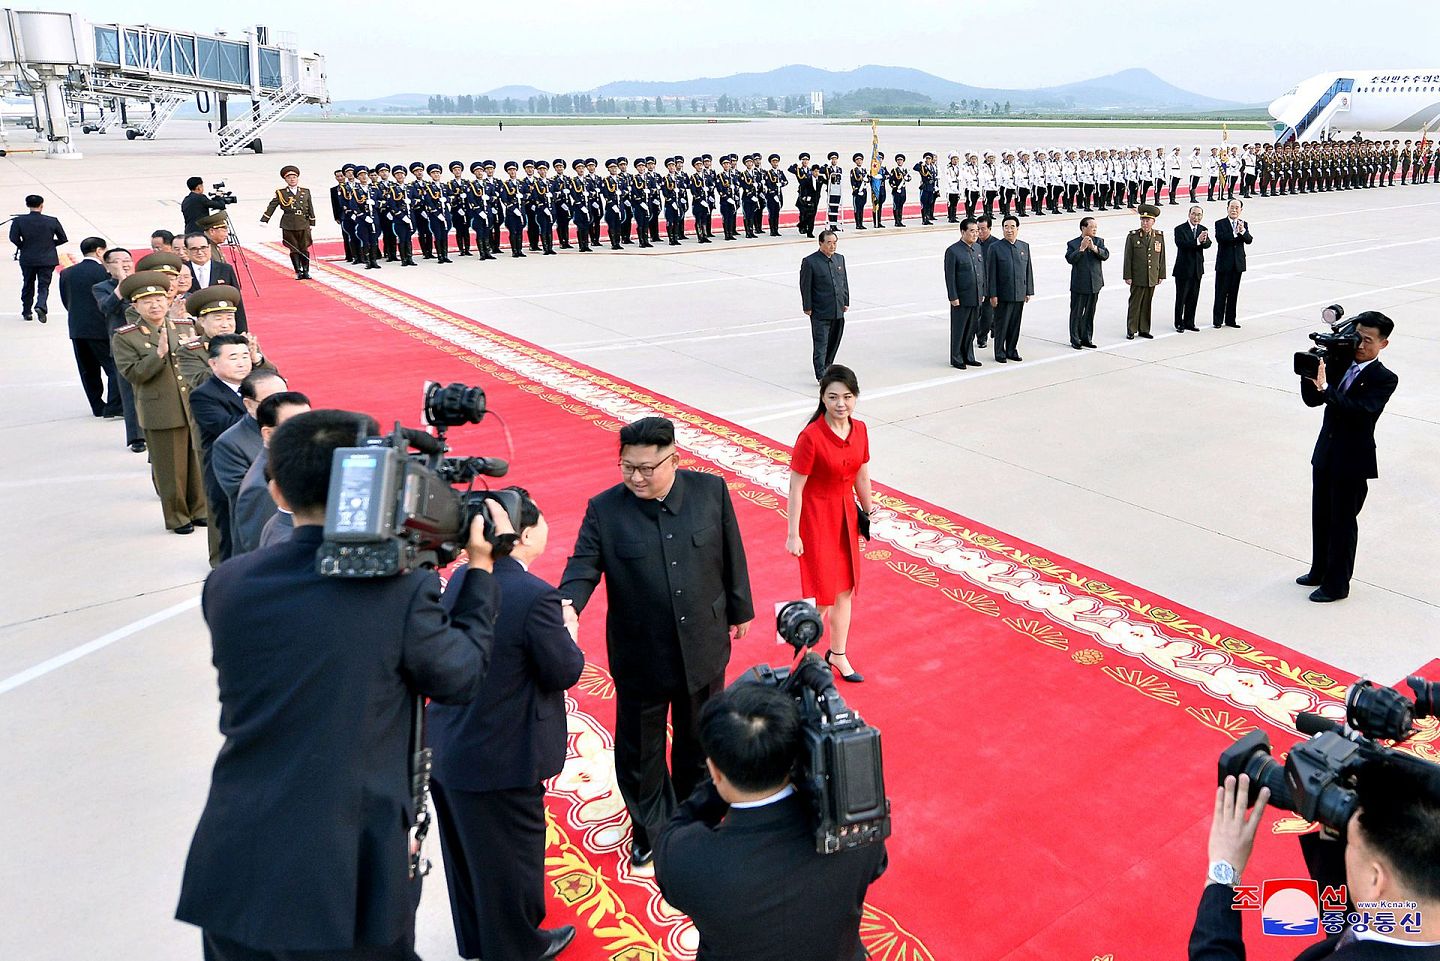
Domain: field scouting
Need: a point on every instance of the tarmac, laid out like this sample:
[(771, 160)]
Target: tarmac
[(1180, 464)]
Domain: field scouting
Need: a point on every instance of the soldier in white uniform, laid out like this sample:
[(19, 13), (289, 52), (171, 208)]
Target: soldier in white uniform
[(1175, 165), (970, 183), (1212, 172), (1005, 178), (1157, 172), (989, 187), (950, 185)]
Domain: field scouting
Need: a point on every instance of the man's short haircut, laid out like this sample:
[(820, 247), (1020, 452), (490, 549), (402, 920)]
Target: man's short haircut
[(194, 182), (967, 223), (1010, 219), (826, 234), (1376, 320), (1400, 815), (751, 733), (268, 413), (164, 235), (302, 448), (250, 386), (648, 432), (1194, 207), (113, 251), (196, 235), (1086, 221), (220, 341), (91, 244), (985, 219), (529, 511), (34, 200)]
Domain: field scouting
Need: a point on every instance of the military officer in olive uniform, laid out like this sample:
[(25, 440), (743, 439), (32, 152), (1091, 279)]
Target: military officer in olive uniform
[(146, 353), (1144, 271), (217, 231), (296, 218)]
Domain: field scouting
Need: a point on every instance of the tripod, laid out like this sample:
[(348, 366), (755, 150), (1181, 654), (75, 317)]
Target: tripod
[(232, 240)]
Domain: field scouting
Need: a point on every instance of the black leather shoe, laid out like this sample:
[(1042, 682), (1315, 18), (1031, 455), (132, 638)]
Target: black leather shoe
[(854, 677), (1077, 346), (200, 522), (1090, 345), (1308, 580), (560, 939), (956, 366), (41, 315), (1179, 330), (1015, 357), (999, 360), (639, 858), (1320, 597), (1129, 336), (137, 446), (981, 342), (1193, 327), (1218, 326), (1236, 326), (185, 529), (972, 362), (1146, 335)]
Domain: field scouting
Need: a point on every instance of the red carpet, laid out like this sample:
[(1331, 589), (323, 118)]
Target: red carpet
[(1050, 732)]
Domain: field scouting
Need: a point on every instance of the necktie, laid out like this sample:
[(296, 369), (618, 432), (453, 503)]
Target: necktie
[(1349, 377)]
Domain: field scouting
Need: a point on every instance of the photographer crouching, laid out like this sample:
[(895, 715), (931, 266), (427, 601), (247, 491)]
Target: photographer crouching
[(303, 849), (197, 203)]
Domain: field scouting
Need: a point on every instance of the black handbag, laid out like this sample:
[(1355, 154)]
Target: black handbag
[(862, 521)]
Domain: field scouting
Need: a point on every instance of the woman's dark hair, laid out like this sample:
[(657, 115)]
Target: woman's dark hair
[(834, 374)]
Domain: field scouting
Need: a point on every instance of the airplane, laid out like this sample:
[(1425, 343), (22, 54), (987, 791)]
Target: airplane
[(1379, 101)]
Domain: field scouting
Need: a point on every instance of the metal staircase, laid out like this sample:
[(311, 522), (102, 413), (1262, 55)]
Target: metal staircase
[(245, 131), (1318, 117), (163, 105)]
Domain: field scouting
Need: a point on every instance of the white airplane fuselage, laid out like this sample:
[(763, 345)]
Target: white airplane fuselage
[(1378, 101)]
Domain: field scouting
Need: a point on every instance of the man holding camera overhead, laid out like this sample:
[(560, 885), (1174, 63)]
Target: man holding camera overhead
[(197, 204)]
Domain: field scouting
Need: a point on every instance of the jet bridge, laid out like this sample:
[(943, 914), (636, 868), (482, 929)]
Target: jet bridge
[(62, 59)]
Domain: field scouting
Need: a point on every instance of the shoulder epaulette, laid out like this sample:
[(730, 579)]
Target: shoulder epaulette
[(197, 345), (188, 323), (127, 328)]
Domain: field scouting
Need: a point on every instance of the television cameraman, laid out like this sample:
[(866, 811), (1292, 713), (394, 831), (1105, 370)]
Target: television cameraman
[(739, 856), (1353, 396), (303, 849), (1391, 853), (197, 204)]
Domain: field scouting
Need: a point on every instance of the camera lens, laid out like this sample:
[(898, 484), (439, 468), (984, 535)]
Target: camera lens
[(1251, 755), (1378, 712), (799, 624), (453, 405)]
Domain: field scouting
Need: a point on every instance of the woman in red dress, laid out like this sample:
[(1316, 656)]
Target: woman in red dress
[(828, 470)]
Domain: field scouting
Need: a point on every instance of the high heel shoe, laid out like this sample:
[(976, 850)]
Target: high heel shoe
[(854, 677)]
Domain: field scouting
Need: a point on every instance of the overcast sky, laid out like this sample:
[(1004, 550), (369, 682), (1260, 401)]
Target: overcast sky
[(1246, 51)]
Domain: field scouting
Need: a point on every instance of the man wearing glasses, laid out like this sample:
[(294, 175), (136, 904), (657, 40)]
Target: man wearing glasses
[(206, 271), (668, 545)]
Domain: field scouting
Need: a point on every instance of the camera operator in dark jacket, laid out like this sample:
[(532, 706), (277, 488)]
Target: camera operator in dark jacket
[(197, 204), (1391, 853), (303, 846), (739, 857)]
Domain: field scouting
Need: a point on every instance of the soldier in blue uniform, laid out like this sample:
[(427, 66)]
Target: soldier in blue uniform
[(597, 205), (899, 178), (627, 216), (807, 195), (929, 187), (612, 195), (397, 216), (384, 184), (775, 192), (457, 198), (496, 208), (700, 201), (859, 189), (750, 196), (560, 194), (542, 206), (433, 208), (513, 192), (477, 206), (578, 201), (877, 190), (652, 185), (711, 179), (673, 194), (641, 207), (532, 230), (362, 217), (422, 225), (729, 196)]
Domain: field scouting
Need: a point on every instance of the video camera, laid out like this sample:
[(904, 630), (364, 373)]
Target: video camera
[(220, 193), (1317, 779), (1340, 343), (840, 770), (390, 511)]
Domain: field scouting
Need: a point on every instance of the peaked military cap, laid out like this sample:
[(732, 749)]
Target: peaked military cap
[(803, 156), (542, 164), (579, 162), (1149, 210), (591, 160), (208, 300), (899, 158), (858, 156), (361, 169), (399, 169), (434, 167), (477, 165), (417, 165), (511, 165), (213, 220), (144, 283), (457, 163), (289, 169), (559, 162), (706, 156), (347, 167), (612, 163), (527, 163), (489, 164), (621, 160), (697, 161), (382, 165), (162, 261)]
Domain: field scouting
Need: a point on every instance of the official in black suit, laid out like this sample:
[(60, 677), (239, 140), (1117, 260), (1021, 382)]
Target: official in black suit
[(1391, 853), (1353, 396), (36, 236), (739, 857), (1085, 254), (206, 271), (215, 407), (825, 296), (253, 505), (89, 332), (119, 264), (303, 844), (1009, 284), (965, 289), (677, 587), (1233, 234), (493, 756), (197, 203), (1192, 239)]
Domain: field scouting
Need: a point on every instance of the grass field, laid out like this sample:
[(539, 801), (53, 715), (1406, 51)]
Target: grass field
[(449, 121), (1099, 124)]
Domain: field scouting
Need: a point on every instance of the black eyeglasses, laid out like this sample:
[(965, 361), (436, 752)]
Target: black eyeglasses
[(646, 471)]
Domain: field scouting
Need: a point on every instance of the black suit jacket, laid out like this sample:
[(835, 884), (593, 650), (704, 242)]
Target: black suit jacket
[(194, 206), (302, 845), (215, 408), (110, 304), (675, 579), (37, 236), (1086, 274), (1216, 937), (965, 273), (337, 209), (824, 287), (223, 274), (1346, 445), (1231, 255), (755, 886), (77, 285), (1189, 252), (513, 734), (1009, 273)]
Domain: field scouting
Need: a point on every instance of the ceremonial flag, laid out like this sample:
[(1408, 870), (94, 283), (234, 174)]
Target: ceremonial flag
[(876, 184), (1424, 142)]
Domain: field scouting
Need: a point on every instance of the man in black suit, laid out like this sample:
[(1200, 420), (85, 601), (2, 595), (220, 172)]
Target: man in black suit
[(36, 237), (1344, 457), (304, 844), (254, 506), (965, 288), (119, 264), (739, 857), (985, 323), (493, 756), (241, 443), (197, 203), (678, 589), (1086, 254), (206, 271), (825, 296), (1391, 854), (1192, 239), (215, 407), (1233, 234), (1009, 283), (89, 332)]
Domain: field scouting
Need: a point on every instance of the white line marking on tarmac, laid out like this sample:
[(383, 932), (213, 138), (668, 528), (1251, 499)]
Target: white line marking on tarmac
[(75, 653)]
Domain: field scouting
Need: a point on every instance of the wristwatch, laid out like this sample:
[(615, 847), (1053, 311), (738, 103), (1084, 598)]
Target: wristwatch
[(1223, 872)]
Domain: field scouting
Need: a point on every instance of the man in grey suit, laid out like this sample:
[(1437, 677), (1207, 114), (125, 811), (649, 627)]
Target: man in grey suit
[(1010, 281), (825, 296), (1085, 254), (252, 505), (965, 288)]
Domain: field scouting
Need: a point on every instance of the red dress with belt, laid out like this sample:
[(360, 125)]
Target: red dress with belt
[(829, 532)]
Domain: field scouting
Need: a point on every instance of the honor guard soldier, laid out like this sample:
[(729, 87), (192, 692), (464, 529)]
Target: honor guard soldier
[(146, 352), (512, 193), (1157, 172), (593, 179), (362, 205), (859, 189), (641, 207), (729, 196), (1005, 182), (700, 201), (422, 223), (337, 210), (899, 181), (775, 192), (711, 179), (879, 182), (806, 195), (433, 209), (674, 196), (477, 207), (297, 217), (561, 203), (750, 197), (384, 184), (611, 193), (652, 185), (1175, 165), (929, 187), (1144, 271), (398, 217), (497, 209), (542, 207), (578, 199), (457, 203)]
